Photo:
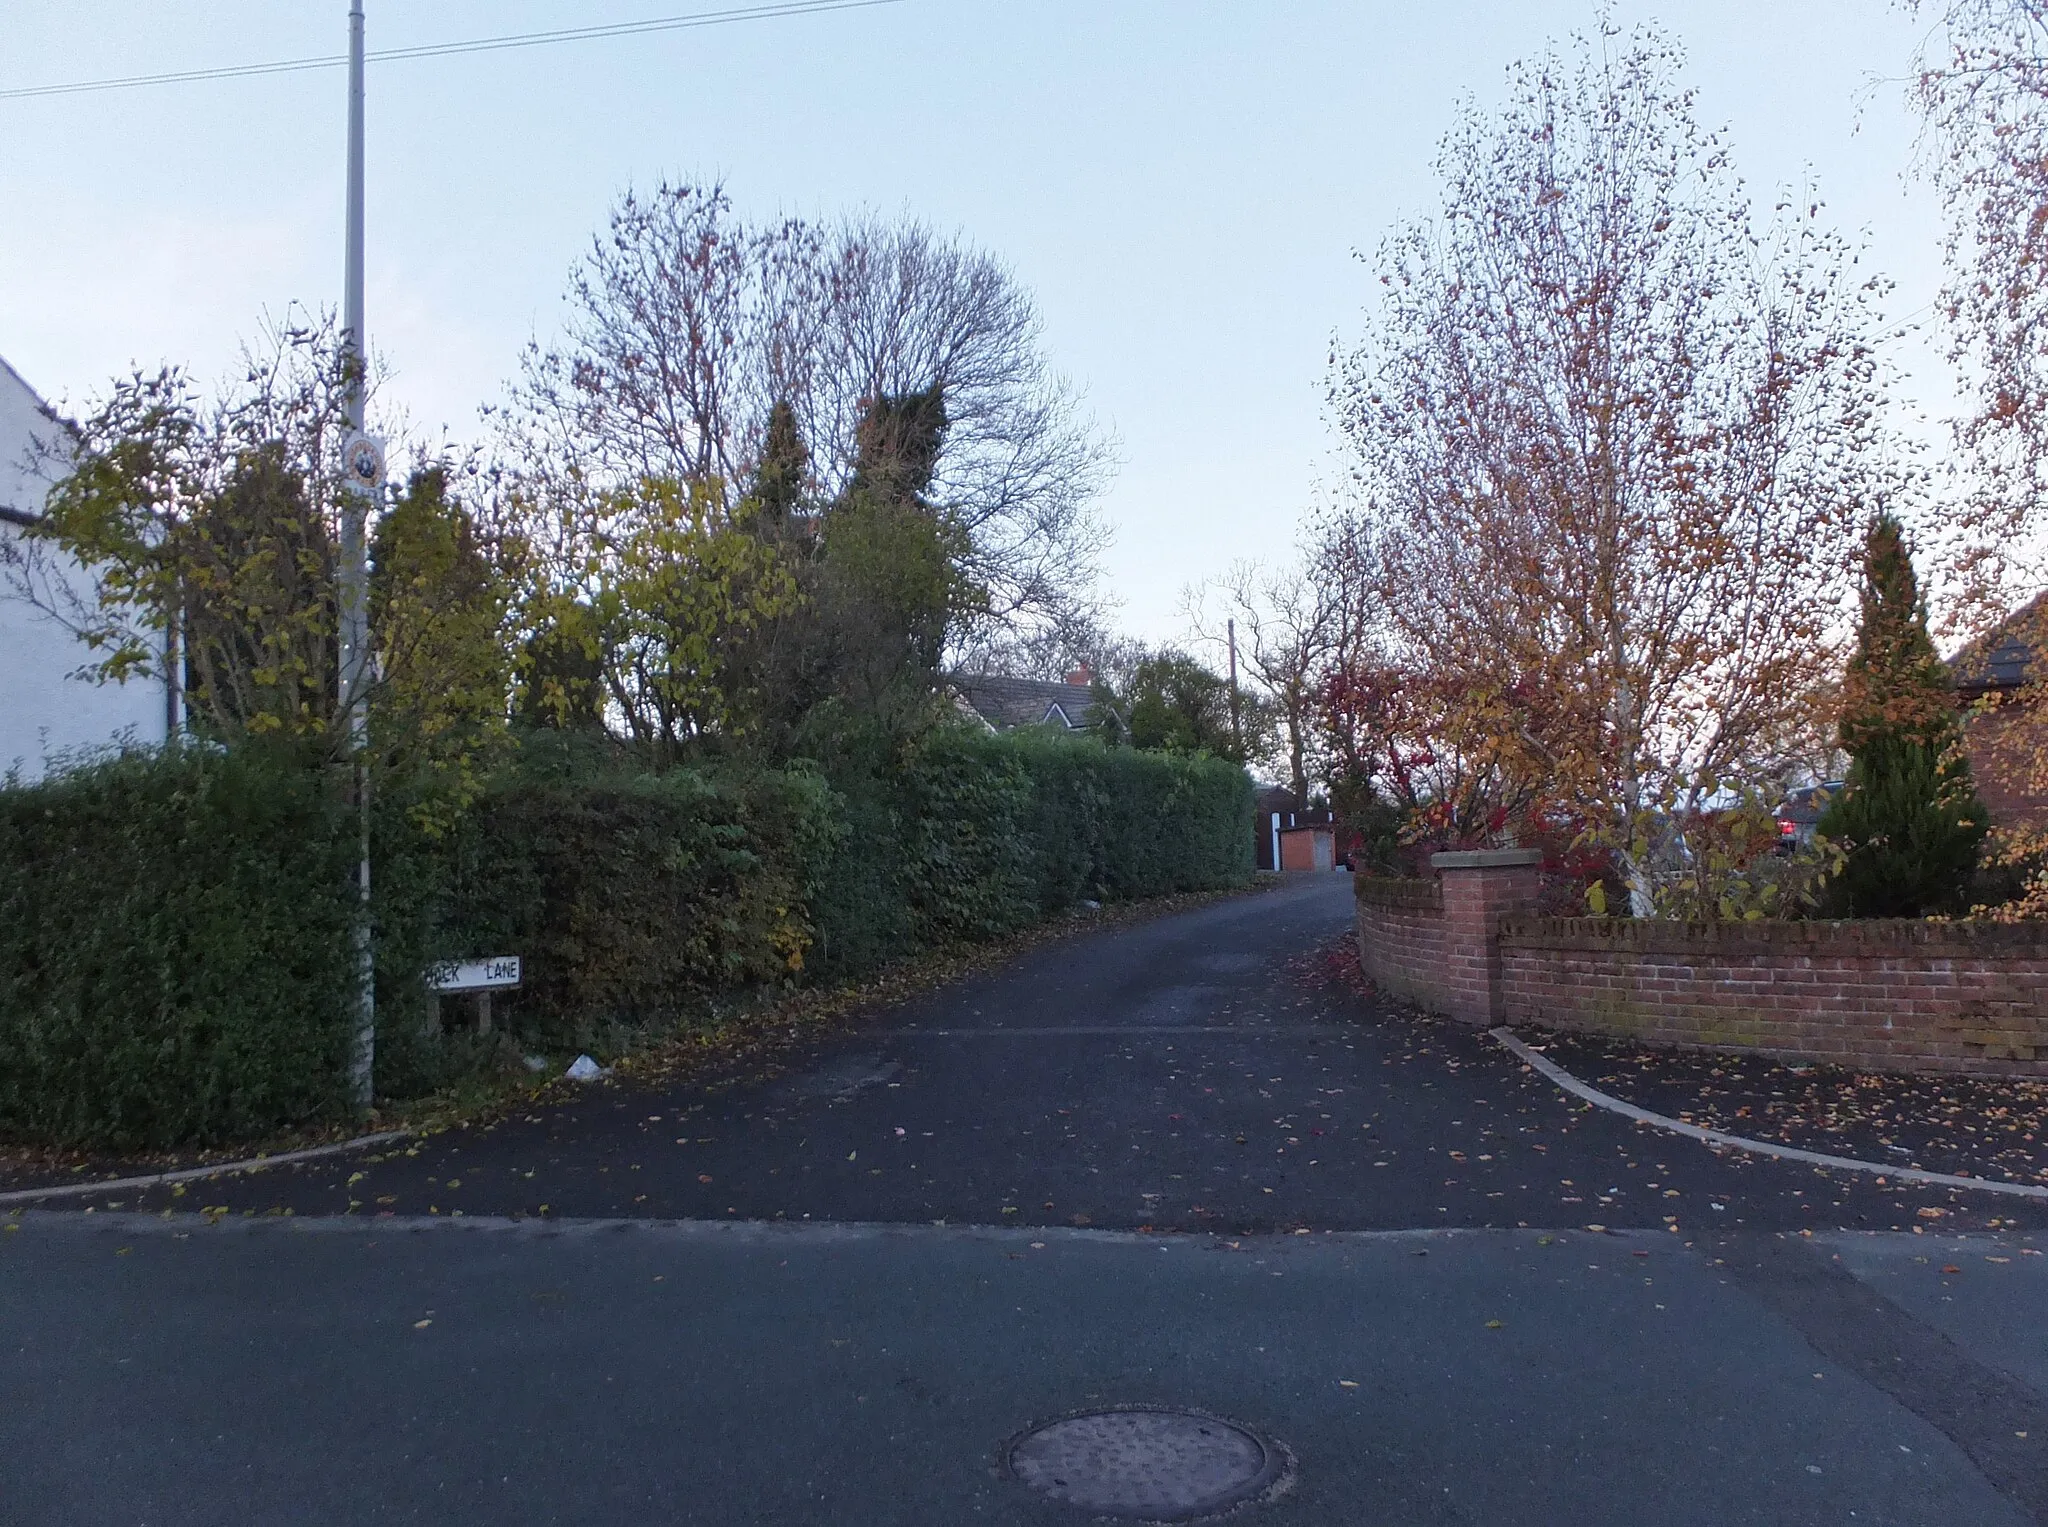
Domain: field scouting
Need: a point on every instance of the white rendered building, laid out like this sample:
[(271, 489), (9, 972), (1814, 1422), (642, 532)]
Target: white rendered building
[(45, 709)]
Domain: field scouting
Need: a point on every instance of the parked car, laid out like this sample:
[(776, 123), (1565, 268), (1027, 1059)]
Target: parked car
[(1801, 812)]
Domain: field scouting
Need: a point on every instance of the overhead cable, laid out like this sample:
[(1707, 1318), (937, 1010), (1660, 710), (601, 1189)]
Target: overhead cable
[(446, 49)]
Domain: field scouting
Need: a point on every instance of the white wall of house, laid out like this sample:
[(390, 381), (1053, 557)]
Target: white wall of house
[(44, 710)]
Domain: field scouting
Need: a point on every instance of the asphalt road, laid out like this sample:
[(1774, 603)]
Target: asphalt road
[(1169, 1164)]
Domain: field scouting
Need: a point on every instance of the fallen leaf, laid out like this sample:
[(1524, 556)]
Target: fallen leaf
[(421, 1325), (1495, 1325), (703, 1176), (1347, 1383)]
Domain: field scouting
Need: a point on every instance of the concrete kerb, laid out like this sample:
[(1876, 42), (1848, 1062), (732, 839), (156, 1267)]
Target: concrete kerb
[(194, 1174), (1578, 1089)]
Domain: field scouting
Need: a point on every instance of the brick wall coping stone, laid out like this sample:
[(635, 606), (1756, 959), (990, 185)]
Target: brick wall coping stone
[(1486, 858), (1391, 893), (1867, 938)]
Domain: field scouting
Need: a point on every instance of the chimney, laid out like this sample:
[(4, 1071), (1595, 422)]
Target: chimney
[(1083, 676)]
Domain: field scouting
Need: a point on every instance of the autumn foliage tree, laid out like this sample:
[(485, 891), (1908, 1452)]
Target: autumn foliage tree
[(209, 529), (1613, 437), (1981, 82)]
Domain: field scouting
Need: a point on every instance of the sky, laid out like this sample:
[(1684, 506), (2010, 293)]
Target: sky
[(1186, 187)]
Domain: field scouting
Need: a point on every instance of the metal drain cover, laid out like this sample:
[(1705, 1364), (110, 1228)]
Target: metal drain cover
[(1147, 1464)]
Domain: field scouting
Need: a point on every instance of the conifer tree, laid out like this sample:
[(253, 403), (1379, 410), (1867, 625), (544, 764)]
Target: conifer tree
[(1908, 813), (783, 471)]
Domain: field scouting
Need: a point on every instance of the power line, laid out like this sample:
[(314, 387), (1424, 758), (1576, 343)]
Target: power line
[(446, 49)]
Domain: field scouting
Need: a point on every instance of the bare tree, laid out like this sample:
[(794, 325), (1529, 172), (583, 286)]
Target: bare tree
[(688, 325), (1981, 82), (1614, 440), (1288, 629)]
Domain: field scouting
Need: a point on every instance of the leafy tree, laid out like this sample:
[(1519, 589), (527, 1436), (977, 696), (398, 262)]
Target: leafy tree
[(1981, 83), (1610, 434), (561, 671), (440, 603), (668, 591), (257, 565), (1176, 705), (209, 531), (1908, 814), (779, 498)]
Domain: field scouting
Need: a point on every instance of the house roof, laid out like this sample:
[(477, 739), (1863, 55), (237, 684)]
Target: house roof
[(27, 427), (1004, 703), (2001, 658)]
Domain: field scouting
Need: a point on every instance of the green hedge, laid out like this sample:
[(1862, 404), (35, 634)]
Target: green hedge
[(173, 951), (1119, 825), (960, 835), (174, 944), (636, 900)]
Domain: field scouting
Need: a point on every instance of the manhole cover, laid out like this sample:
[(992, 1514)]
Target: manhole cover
[(1151, 1465)]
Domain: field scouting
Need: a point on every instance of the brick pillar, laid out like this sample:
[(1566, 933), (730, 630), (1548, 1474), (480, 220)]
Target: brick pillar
[(1480, 888)]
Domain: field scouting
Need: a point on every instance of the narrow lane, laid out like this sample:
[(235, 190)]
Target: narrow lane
[(1192, 1073), (1171, 1165)]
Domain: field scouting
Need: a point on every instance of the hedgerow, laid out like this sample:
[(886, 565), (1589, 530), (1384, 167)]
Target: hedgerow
[(175, 958)]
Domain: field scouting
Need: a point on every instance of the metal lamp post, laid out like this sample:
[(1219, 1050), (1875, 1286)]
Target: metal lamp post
[(362, 479)]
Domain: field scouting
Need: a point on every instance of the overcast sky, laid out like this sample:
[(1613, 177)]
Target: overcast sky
[(1183, 184)]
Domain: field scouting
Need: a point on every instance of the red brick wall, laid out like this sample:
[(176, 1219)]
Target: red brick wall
[(1883, 995), (1401, 937), (1431, 942), (1969, 998)]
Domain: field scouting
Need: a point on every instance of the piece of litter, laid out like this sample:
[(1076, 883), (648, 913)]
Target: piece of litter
[(421, 1325), (583, 1069), (1347, 1383), (536, 1063)]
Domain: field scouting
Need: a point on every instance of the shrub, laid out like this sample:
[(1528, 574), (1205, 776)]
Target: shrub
[(634, 900), (1913, 824), (174, 950), (1119, 824), (175, 928)]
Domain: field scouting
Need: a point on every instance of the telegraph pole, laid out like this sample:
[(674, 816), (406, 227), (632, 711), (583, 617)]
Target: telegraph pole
[(1236, 731), (362, 479)]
